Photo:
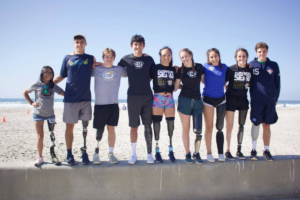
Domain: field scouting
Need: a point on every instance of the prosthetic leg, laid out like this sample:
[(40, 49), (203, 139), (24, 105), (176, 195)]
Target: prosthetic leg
[(96, 159), (254, 135), (85, 158), (197, 128), (156, 127), (242, 120), (170, 125), (221, 110), (52, 138), (148, 138)]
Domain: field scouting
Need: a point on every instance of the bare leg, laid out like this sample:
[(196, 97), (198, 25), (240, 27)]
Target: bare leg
[(111, 136), (69, 135), (39, 127), (229, 125), (208, 112), (185, 121), (133, 134), (266, 134)]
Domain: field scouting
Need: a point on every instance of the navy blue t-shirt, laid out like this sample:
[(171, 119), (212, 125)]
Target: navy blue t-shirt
[(77, 69)]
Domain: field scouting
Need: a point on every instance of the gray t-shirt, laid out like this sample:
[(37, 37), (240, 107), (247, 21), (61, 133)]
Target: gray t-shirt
[(107, 84), (45, 97)]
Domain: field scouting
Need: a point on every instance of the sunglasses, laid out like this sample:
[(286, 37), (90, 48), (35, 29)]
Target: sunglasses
[(48, 73)]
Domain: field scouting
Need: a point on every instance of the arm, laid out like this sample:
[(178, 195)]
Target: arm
[(177, 84), (202, 79), (277, 83), (27, 97), (62, 94), (58, 79), (94, 63)]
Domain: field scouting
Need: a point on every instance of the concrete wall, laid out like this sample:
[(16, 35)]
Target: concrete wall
[(229, 180)]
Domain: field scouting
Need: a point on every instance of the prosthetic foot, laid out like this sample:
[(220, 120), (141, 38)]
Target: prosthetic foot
[(85, 157)]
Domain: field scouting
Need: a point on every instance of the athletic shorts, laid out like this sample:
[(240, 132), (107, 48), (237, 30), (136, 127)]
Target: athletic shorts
[(40, 118), (263, 112), (106, 115), (77, 111), (234, 103), (139, 105), (189, 106), (163, 101), (214, 102)]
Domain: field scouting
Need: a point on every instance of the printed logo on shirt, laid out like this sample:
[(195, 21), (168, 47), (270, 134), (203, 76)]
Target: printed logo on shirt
[(108, 75), (254, 119), (170, 82), (79, 62), (242, 76), (70, 63), (214, 70), (269, 70), (192, 74), (86, 62), (138, 64), (165, 74), (256, 71)]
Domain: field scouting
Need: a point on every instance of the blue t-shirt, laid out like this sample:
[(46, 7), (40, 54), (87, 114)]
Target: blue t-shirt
[(214, 80), (77, 69)]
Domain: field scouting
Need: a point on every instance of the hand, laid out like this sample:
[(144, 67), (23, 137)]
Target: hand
[(35, 104), (72, 53), (176, 67), (145, 54), (250, 66)]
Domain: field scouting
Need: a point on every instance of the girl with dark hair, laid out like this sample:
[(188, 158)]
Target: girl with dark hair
[(44, 90), (163, 76), (239, 77), (214, 97), (189, 102)]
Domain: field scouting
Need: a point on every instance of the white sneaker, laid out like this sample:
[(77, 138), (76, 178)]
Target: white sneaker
[(150, 159), (132, 160), (96, 159), (38, 161), (112, 159), (210, 158), (221, 158)]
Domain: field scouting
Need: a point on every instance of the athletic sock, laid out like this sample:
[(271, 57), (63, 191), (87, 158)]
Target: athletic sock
[(170, 148), (110, 149), (266, 147), (133, 149), (69, 152), (254, 145)]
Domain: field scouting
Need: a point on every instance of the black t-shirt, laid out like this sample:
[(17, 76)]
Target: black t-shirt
[(138, 71), (163, 78), (239, 80), (190, 81)]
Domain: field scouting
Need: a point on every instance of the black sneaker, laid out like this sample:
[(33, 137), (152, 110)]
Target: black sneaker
[(158, 157), (198, 158), (171, 156), (85, 158), (240, 155), (188, 158), (229, 156), (268, 155), (253, 155)]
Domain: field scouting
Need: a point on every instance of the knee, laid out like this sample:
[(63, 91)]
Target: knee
[(198, 131)]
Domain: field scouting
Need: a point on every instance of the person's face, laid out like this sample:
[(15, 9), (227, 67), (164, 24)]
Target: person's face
[(79, 44), (108, 59), (48, 75), (241, 58), (165, 57), (186, 58), (214, 58), (262, 54), (138, 47)]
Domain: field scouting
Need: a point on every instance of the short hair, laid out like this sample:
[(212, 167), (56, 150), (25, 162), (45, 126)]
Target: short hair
[(108, 51), (137, 38), (261, 45), (217, 52)]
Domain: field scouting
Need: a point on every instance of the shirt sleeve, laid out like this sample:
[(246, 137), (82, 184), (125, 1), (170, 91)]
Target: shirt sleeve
[(31, 88), (228, 74), (63, 70), (122, 63), (178, 74), (124, 72), (93, 73), (58, 89)]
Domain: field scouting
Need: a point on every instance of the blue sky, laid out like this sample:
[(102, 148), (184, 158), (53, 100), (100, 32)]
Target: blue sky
[(38, 33)]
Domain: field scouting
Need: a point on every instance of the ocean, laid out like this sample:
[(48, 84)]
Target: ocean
[(58, 103)]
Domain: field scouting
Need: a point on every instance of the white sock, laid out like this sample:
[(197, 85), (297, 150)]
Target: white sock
[(266, 147), (254, 145), (110, 149), (133, 149)]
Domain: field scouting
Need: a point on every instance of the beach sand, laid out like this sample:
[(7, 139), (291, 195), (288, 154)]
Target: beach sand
[(18, 137)]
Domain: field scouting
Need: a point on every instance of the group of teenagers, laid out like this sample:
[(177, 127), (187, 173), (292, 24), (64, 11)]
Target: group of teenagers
[(261, 75)]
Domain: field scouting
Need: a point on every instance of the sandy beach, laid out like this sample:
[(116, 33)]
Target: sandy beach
[(18, 137)]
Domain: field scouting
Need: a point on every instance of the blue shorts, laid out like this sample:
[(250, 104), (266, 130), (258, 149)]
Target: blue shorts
[(263, 112), (163, 101), (39, 118), (189, 106)]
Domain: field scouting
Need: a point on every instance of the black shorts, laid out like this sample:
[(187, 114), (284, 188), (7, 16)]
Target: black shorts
[(106, 115), (214, 102), (263, 112), (139, 105), (234, 103)]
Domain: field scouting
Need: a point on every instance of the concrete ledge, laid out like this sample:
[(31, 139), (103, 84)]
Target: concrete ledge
[(230, 180)]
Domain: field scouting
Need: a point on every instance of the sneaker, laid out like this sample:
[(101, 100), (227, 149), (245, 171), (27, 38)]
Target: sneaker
[(96, 159), (158, 157), (85, 158), (240, 155), (38, 161), (253, 155), (268, 155), (112, 159), (150, 159), (188, 158), (221, 158), (229, 156), (71, 160), (210, 158), (132, 160), (171, 156), (198, 158)]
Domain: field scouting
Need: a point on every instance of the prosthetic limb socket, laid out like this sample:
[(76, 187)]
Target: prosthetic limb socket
[(156, 127), (52, 138), (221, 110), (240, 135), (148, 138)]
